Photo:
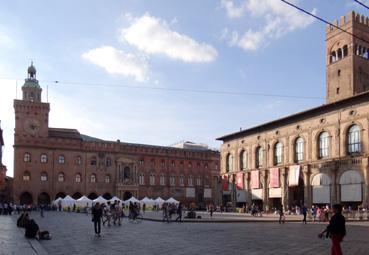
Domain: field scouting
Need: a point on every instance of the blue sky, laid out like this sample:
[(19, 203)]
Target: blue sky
[(105, 52)]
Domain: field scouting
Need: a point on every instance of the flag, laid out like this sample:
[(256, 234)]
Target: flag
[(255, 179), (239, 180), (274, 177)]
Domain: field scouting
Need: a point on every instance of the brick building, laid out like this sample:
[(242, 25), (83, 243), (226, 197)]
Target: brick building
[(54, 162), (319, 156)]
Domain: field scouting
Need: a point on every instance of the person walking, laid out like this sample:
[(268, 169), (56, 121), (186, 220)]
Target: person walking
[(304, 212), (96, 218), (179, 212), (211, 209), (336, 230), (281, 215), (42, 210)]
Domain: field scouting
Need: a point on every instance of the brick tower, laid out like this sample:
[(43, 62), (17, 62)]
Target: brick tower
[(347, 57)]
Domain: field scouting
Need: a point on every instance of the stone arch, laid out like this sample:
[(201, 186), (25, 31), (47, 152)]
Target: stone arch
[(351, 186), (92, 195), (345, 133), (77, 195), (321, 189), (317, 142), (26, 198), (60, 194), (43, 199), (107, 196)]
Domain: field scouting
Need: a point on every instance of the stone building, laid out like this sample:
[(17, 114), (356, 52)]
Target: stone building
[(53, 162), (319, 156), (5, 181)]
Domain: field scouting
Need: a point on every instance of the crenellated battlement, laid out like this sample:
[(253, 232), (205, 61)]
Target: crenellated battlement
[(345, 21)]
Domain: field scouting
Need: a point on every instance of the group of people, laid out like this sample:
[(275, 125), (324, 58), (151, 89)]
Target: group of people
[(169, 209)]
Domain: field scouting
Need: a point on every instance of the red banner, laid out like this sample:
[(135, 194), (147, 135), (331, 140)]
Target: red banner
[(239, 181), (225, 183), (274, 177), (255, 179)]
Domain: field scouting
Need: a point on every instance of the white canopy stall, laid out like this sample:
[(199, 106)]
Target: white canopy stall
[(147, 201), (84, 201), (101, 200), (68, 201), (159, 201), (132, 199), (172, 201), (57, 201), (115, 198)]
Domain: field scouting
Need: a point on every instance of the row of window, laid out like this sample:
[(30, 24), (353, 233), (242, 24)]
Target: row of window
[(340, 53), (172, 180), (172, 163), (61, 177), (61, 159), (353, 147)]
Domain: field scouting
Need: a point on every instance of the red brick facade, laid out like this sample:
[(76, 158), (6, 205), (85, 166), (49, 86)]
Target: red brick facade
[(52, 162)]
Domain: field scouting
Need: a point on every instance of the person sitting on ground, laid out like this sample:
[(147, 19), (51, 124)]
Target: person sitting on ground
[(22, 220), (33, 231)]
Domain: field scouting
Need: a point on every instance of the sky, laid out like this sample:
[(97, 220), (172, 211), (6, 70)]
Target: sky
[(158, 72)]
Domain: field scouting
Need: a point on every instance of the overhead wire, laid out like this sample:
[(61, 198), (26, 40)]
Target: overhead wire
[(160, 88), (362, 4)]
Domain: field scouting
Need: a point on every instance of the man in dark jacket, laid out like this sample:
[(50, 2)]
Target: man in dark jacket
[(336, 230), (96, 218)]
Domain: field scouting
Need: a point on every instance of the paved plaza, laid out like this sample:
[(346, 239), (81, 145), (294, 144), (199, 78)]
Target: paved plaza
[(73, 234)]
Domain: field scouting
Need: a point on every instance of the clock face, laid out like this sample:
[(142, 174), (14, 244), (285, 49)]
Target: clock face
[(32, 126)]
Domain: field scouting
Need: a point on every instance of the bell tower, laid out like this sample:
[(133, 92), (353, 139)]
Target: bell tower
[(31, 114), (347, 57)]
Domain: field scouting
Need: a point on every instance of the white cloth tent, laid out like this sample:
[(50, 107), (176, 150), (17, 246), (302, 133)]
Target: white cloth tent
[(132, 199), (68, 201), (83, 201), (159, 201), (172, 201), (101, 200), (115, 198), (147, 201), (57, 201)]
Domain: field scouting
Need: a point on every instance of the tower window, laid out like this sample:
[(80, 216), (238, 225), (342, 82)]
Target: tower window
[(345, 51), (337, 91), (339, 72), (339, 54)]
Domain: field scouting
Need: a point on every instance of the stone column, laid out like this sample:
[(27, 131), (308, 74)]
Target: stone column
[(248, 189), (334, 187), (283, 176), (264, 179), (307, 189)]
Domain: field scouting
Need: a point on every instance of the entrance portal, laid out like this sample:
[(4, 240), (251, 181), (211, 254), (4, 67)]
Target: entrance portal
[(127, 195), (43, 199), (26, 198)]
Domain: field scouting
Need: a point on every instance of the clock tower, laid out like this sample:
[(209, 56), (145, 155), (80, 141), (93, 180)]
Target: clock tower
[(31, 114)]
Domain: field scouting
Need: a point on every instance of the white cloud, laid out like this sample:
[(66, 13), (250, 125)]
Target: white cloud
[(279, 19), (154, 36), (118, 62)]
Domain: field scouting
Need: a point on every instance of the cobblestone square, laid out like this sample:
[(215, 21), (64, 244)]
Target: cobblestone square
[(73, 234)]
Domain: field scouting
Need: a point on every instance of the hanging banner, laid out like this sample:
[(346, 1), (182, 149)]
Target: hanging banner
[(293, 175), (239, 181), (274, 177), (255, 179), (225, 182)]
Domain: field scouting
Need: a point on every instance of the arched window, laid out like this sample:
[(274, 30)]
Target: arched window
[(43, 158), (181, 180), (26, 176), (278, 153), (61, 177), (229, 162), (198, 181), (259, 157), (339, 54), (108, 162), (141, 179), (243, 160), (126, 173), (43, 177), (93, 161), (93, 178), (61, 159), (333, 57), (172, 180), (27, 157), (190, 181), (299, 149), (162, 179), (78, 178), (354, 141), (152, 179), (107, 178), (79, 160), (345, 51), (323, 145)]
